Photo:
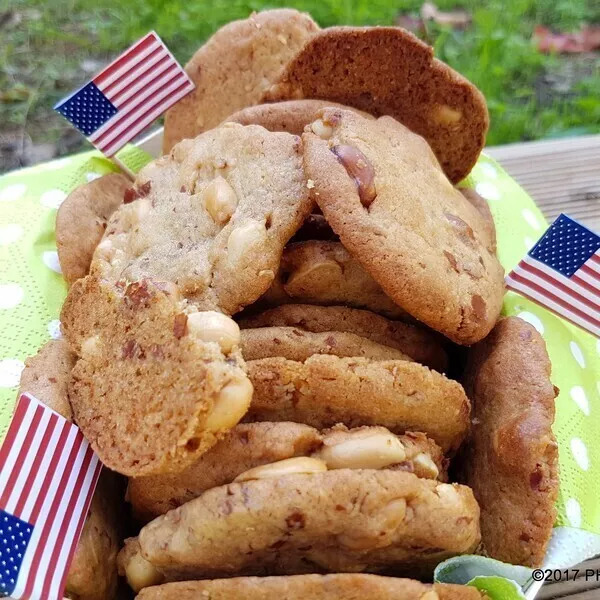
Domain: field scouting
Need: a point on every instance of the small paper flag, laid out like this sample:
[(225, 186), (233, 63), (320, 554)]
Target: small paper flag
[(562, 273), (48, 474), (124, 98)]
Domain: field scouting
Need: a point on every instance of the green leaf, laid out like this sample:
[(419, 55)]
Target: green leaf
[(498, 588), (463, 569)]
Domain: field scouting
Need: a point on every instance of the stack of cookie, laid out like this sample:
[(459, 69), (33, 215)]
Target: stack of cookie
[(257, 331)]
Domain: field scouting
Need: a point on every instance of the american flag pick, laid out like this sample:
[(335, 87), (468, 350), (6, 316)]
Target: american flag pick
[(124, 98), (48, 474), (562, 273)]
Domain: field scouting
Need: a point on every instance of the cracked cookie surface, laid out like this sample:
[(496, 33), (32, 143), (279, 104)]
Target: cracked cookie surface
[(341, 520), (382, 191), (212, 217)]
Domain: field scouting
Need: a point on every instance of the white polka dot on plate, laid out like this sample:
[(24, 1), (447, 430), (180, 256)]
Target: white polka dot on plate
[(54, 329), (12, 192), (580, 453), (577, 353), (91, 176), (488, 170), (50, 259), (530, 218), (11, 295), (488, 190), (573, 510), (532, 319), (579, 397), (10, 372), (52, 198), (10, 233)]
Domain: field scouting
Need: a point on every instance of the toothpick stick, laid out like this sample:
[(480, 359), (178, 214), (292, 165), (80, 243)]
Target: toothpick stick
[(126, 170)]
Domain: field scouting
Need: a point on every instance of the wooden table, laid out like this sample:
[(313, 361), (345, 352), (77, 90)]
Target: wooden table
[(561, 176)]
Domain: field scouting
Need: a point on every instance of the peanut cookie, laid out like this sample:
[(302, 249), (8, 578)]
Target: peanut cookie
[(420, 344), (93, 571), (388, 71), (321, 272), (483, 207), (291, 116), (344, 586), (155, 384), (213, 217), (251, 445), (511, 458), (46, 376), (234, 68), (81, 221), (307, 520), (382, 191), (297, 344), (325, 390)]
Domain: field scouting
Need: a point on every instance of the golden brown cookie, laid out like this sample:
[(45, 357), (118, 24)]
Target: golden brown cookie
[(81, 222), (321, 272), (511, 458), (297, 344), (291, 116), (213, 217), (388, 71), (251, 445), (46, 376), (420, 344), (326, 521), (93, 571), (246, 446), (345, 586), (481, 204), (156, 383), (234, 68), (325, 390), (382, 191)]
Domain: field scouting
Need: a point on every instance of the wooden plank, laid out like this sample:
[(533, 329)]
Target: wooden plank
[(560, 175), (578, 589)]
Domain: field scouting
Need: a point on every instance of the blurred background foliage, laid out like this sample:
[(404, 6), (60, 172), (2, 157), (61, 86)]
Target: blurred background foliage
[(48, 48)]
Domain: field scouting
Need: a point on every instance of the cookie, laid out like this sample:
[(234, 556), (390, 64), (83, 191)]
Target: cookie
[(343, 586), (93, 571), (291, 116), (321, 272), (297, 344), (213, 217), (234, 68), (511, 458), (81, 221), (420, 344), (388, 71), (315, 227), (306, 522), (156, 384), (251, 445), (483, 207), (46, 376), (382, 191), (246, 446), (325, 390)]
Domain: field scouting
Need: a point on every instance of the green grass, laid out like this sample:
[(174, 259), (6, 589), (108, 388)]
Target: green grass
[(530, 95)]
